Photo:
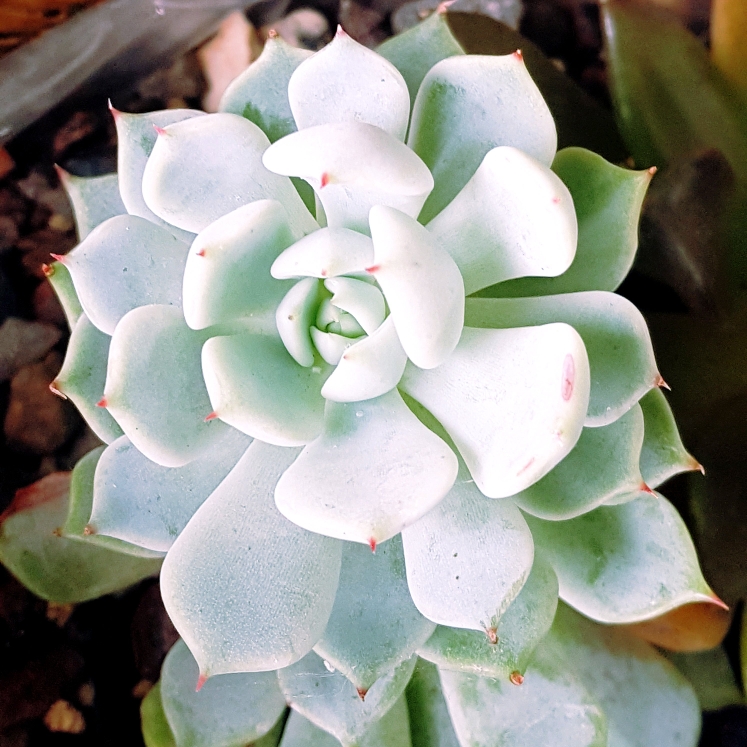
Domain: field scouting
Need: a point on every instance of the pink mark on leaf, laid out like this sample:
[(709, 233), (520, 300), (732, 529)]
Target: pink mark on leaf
[(324, 181), (525, 467), (569, 375), (212, 416), (201, 680), (516, 678), (103, 402), (372, 544)]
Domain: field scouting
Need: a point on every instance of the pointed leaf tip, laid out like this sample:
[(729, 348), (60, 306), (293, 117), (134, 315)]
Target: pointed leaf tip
[(661, 383), (372, 544), (57, 257), (201, 680), (516, 678), (48, 270), (361, 693), (212, 416), (54, 387), (160, 130), (102, 402), (519, 55), (492, 634)]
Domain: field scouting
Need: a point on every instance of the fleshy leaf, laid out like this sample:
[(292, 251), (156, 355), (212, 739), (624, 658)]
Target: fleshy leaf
[(429, 718), (83, 374), (360, 299), (345, 82), (513, 218), (94, 199), (54, 567), (645, 699), (550, 707), (608, 203), (370, 632), (230, 710), (206, 167), (663, 454), (369, 368), (300, 732), (260, 598), (601, 467), (326, 253), (155, 726), (626, 563), (154, 386), (374, 470), (136, 135), (513, 401), (614, 332), (141, 502), (260, 93), (711, 676), (60, 279), (489, 101), (415, 51), (422, 285), (227, 274), (294, 318), (353, 166), (331, 702), (141, 263), (523, 625), (77, 524), (456, 573), (257, 387)]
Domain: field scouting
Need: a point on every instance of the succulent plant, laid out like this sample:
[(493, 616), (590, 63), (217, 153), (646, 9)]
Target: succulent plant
[(353, 344)]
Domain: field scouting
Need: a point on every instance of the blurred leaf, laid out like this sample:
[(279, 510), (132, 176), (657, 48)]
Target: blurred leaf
[(711, 676), (579, 119), (156, 729), (729, 40)]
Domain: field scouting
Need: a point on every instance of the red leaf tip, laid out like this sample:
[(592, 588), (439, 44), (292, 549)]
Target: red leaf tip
[(516, 678), (48, 270), (54, 387), (201, 680), (652, 170), (212, 416), (519, 55), (201, 253), (661, 383), (159, 130), (719, 602), (103, 402), (340, 31), (272, 34), (492, 634), (646, 489), (57, 257), (361, 693), (372, 544), (444, 6), (373, 269), (324, 181)]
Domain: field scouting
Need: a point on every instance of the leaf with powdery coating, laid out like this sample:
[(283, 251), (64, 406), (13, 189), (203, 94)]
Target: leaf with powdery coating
[(94, 199), (430, 722), (139, 501), (608, 202), (548, 706), (134, 276), (374, 624), (523, 625), (415, 51), (457, 575), (161, 408), (601, 468), (645, 699), (62, 282), (627, 563), (663, 455), (331, 702), (374, 470), (614, 332), (83, 375), (513, 218), (206, 167), (490, 101), (513, 401), (261, 597), (230, 710)]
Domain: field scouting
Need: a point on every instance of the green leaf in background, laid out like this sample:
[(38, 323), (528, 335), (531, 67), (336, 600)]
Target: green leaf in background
[(53, 567), (711, 676), (155, 726), (579, 119)]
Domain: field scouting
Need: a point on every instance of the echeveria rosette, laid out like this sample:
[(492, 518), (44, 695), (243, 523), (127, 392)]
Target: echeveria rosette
[(429, 364)]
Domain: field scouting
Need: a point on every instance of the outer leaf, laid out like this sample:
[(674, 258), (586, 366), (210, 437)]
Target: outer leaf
[(608, 202), (415, 51), (60, 279), (141, 502), (260, 93), (626, 563), (602, 467), (345, 82), (374, 470), (54, 567), (514, 217), (551, 707), (429, 718), (374, 624), (663, 454), (155, 726), (206, 167), (460, 569), (142, 263), (228, 711), (331, 702), (614, 332), (300, 732), (95, 199), (533, 382), (260, 598), (645, 699), (154, 386), (489, 101), (83, 375), (523, 625), (711, 676)]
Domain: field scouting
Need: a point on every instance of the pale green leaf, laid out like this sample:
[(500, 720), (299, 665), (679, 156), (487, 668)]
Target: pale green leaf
[(430, 723), (711, 676), (62, 282), (155, 727), (94, 199)]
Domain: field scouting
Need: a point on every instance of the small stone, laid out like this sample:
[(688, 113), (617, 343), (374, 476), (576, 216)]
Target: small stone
[(59, 613), (304, 28), (61, 223), (142, 689), (37, 421), (86, 694), (63, 717), (23, 342), (7, 164)]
